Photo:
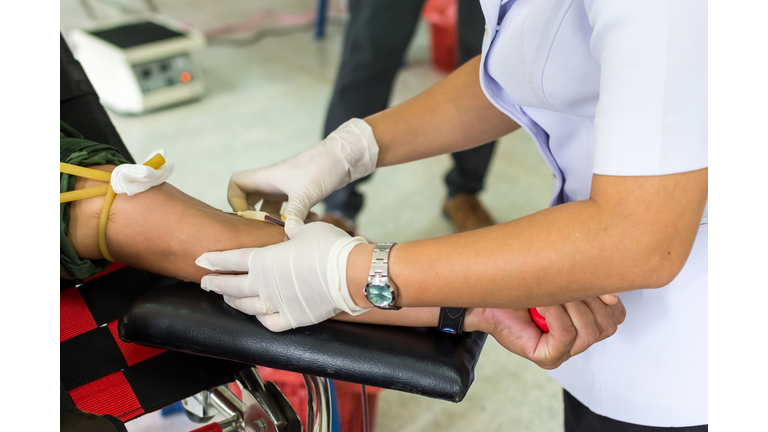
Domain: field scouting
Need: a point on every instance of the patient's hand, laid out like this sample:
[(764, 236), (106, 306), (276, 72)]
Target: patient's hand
[(573, 328), (162, 230)]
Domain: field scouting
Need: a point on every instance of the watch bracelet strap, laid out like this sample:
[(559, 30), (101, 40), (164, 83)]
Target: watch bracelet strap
[(451, 320), (380, 260)]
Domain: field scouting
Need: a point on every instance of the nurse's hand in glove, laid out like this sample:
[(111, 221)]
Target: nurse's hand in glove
[(288, 285), (347, 154)]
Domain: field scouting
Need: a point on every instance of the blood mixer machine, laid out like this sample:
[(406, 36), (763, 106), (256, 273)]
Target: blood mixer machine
[(141, 66)]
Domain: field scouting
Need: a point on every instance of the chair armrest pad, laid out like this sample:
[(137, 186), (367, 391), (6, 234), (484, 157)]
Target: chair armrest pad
[(423, 361)]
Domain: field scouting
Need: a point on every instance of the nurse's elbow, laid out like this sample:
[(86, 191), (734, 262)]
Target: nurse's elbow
[(662, 268), (661, 278)]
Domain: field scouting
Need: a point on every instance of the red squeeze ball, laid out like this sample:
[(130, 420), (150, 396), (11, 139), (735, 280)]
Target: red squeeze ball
[(539, 320)]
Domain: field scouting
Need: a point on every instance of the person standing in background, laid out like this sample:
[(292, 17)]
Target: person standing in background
[(378, 34)]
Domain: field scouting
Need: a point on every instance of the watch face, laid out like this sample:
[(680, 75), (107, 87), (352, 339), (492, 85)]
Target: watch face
[(379, 295)]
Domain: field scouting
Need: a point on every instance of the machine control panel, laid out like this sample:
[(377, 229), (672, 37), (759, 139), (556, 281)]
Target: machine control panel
[(158, 74)]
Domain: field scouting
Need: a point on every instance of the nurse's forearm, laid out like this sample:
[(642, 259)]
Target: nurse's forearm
[(634, 233), (451, 116), (162, 230)]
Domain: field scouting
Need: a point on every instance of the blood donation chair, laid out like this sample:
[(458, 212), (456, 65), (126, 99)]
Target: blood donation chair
[(133, 342)]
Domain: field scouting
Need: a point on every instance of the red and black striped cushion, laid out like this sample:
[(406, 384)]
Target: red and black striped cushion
[(104, 375)]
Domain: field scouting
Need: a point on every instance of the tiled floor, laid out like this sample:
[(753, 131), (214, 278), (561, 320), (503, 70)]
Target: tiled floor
[(266, 102)]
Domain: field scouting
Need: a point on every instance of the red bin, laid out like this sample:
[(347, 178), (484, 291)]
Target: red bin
[(442, 17)]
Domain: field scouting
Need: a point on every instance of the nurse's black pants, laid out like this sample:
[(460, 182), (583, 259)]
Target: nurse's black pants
[(378, 34), (579, 418)]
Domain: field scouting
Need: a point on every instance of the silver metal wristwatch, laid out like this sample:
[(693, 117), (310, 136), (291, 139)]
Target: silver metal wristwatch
[(378, 291)]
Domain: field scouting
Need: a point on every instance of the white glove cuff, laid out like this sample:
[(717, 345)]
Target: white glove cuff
[(337, 266), (358, 147), (135, 178)]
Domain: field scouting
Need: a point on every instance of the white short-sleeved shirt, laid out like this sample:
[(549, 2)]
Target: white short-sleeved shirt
[(617, 88)]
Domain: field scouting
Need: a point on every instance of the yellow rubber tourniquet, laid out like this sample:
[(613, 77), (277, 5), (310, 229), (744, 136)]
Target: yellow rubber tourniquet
[(84, 172), (156, 162), (82, 194), (87, 173)]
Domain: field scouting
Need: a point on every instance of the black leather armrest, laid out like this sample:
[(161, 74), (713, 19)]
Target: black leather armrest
[(185, 318)]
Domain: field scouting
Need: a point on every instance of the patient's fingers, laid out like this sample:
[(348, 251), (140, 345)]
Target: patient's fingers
[(609, 299), (235, 260), (561, 337), (587, 332), (604, 319), (231, 285)]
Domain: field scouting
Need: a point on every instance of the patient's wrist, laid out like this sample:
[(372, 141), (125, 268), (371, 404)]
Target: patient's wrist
[(476, 320)]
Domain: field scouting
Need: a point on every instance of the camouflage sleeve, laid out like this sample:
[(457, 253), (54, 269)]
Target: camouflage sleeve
[(78, 151)]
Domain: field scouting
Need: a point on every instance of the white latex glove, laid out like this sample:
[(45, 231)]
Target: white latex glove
[(293, 284), (347, 154)]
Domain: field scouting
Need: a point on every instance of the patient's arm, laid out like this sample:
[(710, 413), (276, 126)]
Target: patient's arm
[(162, 230)]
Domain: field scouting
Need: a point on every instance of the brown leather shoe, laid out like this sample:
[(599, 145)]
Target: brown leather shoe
[(466, 213)]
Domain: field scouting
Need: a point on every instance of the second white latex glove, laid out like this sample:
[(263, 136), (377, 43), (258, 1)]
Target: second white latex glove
[(347, 154), (293, 284)]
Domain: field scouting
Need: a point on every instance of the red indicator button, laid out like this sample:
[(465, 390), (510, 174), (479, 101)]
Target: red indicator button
[(185, 77)]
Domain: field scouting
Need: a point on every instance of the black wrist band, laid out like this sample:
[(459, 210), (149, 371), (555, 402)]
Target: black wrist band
[(451, 320)]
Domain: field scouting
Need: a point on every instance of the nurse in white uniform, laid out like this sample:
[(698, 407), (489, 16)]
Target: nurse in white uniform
[(614, 93)]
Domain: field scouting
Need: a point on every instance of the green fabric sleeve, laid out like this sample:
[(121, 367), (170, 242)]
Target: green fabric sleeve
[(78, 151)]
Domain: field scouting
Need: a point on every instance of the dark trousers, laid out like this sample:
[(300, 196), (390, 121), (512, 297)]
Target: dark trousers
[(579, 418), (377, 37)]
